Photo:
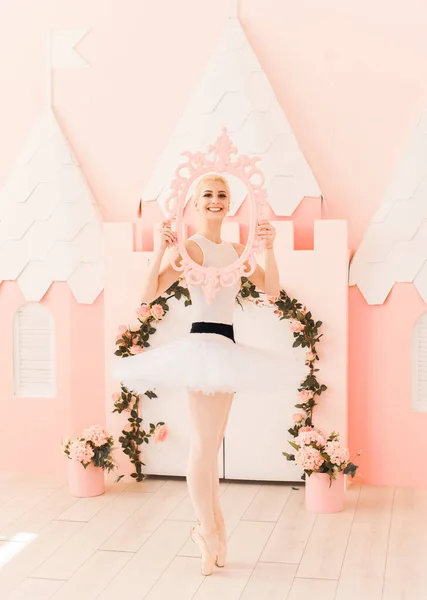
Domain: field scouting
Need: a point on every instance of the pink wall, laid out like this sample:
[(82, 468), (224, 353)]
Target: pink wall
[(87, 363), (31, 429), (350, 76), (382, 425)]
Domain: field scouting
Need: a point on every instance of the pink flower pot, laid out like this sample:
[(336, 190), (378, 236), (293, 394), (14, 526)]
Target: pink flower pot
[(319, 497), (85, 483)]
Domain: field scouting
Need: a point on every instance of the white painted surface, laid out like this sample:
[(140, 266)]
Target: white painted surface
[(50, 228), (394, 248)]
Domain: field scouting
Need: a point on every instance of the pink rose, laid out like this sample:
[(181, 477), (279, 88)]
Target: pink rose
[(81, 451), (338, 454), (295, 326), (310, 435), (135, 349), (157, 311), (299, 416), (143, 312), (97, 435), (305, 395), (310, 356), (160, 433), (309, 458)]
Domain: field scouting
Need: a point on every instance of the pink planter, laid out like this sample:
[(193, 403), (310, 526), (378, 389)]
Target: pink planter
[(320, 498), (85, 483)]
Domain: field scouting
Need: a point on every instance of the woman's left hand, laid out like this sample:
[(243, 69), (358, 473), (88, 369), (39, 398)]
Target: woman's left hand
[(266, 231)]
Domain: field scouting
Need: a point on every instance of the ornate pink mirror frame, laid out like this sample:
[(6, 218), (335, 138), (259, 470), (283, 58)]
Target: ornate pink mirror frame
[(221, 158)]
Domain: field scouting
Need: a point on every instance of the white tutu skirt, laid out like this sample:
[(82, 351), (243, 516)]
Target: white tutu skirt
[(208, 363)]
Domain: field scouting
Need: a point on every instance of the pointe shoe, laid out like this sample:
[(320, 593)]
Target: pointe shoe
[(208, 558), (222, 545)]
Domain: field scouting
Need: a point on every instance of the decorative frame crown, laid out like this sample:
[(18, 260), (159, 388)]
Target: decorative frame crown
[(222, 157)]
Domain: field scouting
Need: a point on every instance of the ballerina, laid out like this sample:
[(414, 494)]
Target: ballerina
[(208, 362)]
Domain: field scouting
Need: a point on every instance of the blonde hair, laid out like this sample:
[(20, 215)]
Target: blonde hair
[(211, 177)]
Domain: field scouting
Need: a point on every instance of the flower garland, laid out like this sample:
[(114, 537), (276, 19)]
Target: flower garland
[(306, 335), (130, 342), (314, 452)]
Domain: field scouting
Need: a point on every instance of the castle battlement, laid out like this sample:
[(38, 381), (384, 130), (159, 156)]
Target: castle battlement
[(330, 237)]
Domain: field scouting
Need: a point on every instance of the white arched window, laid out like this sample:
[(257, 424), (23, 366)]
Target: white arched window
[(419, 364), (34, 352)]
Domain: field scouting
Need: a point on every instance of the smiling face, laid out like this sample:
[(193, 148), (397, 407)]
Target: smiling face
[(212, 197)]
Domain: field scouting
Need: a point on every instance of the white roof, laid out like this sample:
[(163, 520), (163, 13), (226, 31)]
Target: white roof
[(50, 229), (394, 249), (234, 92)]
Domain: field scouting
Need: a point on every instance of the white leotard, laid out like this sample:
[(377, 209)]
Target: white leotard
[(223, 304)]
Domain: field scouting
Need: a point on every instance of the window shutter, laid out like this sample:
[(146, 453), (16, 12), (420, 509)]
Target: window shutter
[(419, 364), (34, 356)]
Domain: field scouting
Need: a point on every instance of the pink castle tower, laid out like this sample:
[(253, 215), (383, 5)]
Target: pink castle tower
[(51, 303)]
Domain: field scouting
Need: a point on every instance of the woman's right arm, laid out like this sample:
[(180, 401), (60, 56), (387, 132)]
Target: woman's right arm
[(160, 278)]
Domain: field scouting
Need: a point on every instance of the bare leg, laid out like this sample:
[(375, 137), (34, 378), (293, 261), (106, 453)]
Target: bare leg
[(208, 417)]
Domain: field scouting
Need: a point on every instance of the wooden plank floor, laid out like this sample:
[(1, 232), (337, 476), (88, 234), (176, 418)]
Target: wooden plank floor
[(133, 542)]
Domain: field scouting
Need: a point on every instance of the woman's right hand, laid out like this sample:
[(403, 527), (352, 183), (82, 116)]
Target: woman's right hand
[(165, 237)]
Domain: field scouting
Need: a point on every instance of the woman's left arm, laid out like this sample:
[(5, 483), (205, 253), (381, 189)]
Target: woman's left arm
[(268, 280)]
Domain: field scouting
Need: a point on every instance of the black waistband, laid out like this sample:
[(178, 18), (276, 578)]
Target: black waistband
[(219, 328)]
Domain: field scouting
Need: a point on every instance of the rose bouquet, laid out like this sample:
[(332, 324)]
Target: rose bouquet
[(315, 453), (95, 445)]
